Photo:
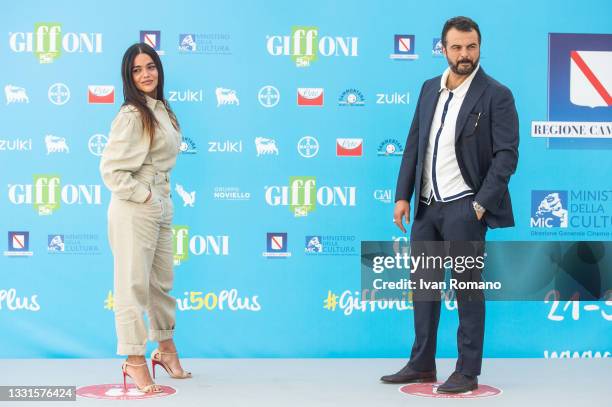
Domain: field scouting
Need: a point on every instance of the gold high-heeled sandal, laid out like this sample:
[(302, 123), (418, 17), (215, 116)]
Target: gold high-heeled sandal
[(156, 359), (151, 388)]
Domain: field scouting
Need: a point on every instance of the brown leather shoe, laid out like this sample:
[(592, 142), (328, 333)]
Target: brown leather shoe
[(408, 375), (458, 383)]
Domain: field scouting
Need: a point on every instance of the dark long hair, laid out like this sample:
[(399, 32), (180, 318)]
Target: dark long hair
[(134, 97)]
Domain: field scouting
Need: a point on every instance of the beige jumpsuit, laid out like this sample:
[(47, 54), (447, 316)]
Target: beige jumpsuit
[(140, 234)]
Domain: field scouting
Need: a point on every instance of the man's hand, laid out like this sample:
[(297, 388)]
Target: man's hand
[(401, 211)]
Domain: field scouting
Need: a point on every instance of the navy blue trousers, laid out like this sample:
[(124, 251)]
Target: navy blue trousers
[(454, 222)]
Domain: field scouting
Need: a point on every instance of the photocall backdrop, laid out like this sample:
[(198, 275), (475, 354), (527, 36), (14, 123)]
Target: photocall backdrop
[(294, 117)]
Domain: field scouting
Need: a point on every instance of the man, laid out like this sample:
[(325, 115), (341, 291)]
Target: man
[(461, 150)]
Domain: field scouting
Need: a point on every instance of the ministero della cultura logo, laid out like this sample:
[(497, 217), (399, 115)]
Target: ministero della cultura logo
[(304, 45), (47, 42), (46, 194)]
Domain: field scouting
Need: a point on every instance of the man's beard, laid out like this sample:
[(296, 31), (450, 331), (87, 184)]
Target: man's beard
[(465, 69)]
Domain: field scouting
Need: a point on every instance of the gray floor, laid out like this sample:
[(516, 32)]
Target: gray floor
[(326, 382)]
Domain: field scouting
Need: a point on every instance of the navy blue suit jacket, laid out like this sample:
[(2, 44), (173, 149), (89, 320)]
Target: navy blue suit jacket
[(486, 146)]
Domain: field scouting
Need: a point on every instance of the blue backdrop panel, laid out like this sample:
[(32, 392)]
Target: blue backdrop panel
[(250, 131)]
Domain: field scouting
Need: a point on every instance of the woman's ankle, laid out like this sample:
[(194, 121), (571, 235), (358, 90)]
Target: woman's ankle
[(136, 359)]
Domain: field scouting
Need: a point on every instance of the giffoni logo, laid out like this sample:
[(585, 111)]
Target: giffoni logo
[(304, 45), (184, 243), (180, 243), (47, 42), (46, 193), (302, 194)]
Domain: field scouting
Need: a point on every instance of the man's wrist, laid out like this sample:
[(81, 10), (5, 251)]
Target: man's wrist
[(478, 208)]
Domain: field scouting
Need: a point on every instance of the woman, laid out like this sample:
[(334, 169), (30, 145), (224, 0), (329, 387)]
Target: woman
[(142, 148)]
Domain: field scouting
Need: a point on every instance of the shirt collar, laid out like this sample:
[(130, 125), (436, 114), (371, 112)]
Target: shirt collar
[(460, 90), (152, 103)]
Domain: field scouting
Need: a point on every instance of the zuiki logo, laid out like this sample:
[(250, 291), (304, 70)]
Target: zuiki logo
[(9, 301), (46, 194), (56, 144), (404, 47), (549, 209), (310, 96), (268, 96), (331, 245), (436, 48), (153, 39), (230, 194), (197, 245), (58, 94), (302, 195), (18, 244), (304, 45), (188, 146), (276, 246), (225, 146), (351, 97), (187, 95), (383, 195), (15, 94), (394, 98), (349, 147), (101, 94), (308, 146), (47, 42), (86, 244), (189, 198), (390, 148), (16, 145), (208, 44), (226, 97), (96, 144), (265, 146)]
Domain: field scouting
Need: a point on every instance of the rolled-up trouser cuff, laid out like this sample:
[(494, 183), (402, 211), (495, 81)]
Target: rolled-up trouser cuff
[(130, 349), (159, 335)]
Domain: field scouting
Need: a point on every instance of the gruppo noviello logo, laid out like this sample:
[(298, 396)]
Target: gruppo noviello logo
[(579, 92), (302, 195), (304, 45), (47, 42), (47, 193), (578, 212), (197, 245)]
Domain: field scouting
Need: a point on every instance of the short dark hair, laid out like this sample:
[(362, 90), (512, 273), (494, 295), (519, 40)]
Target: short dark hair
[(460, 23)]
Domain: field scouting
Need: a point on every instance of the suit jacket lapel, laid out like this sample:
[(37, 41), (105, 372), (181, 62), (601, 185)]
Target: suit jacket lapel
[(474, 93), (427, 110)]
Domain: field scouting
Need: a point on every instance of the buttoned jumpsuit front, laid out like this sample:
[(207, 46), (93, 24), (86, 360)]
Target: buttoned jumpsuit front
[(139, 232)]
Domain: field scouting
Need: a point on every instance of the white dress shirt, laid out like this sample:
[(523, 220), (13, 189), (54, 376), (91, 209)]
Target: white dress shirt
[(442, 179)]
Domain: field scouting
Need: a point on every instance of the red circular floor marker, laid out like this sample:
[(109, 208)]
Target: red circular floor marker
[(430, 390), (116, 392)]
